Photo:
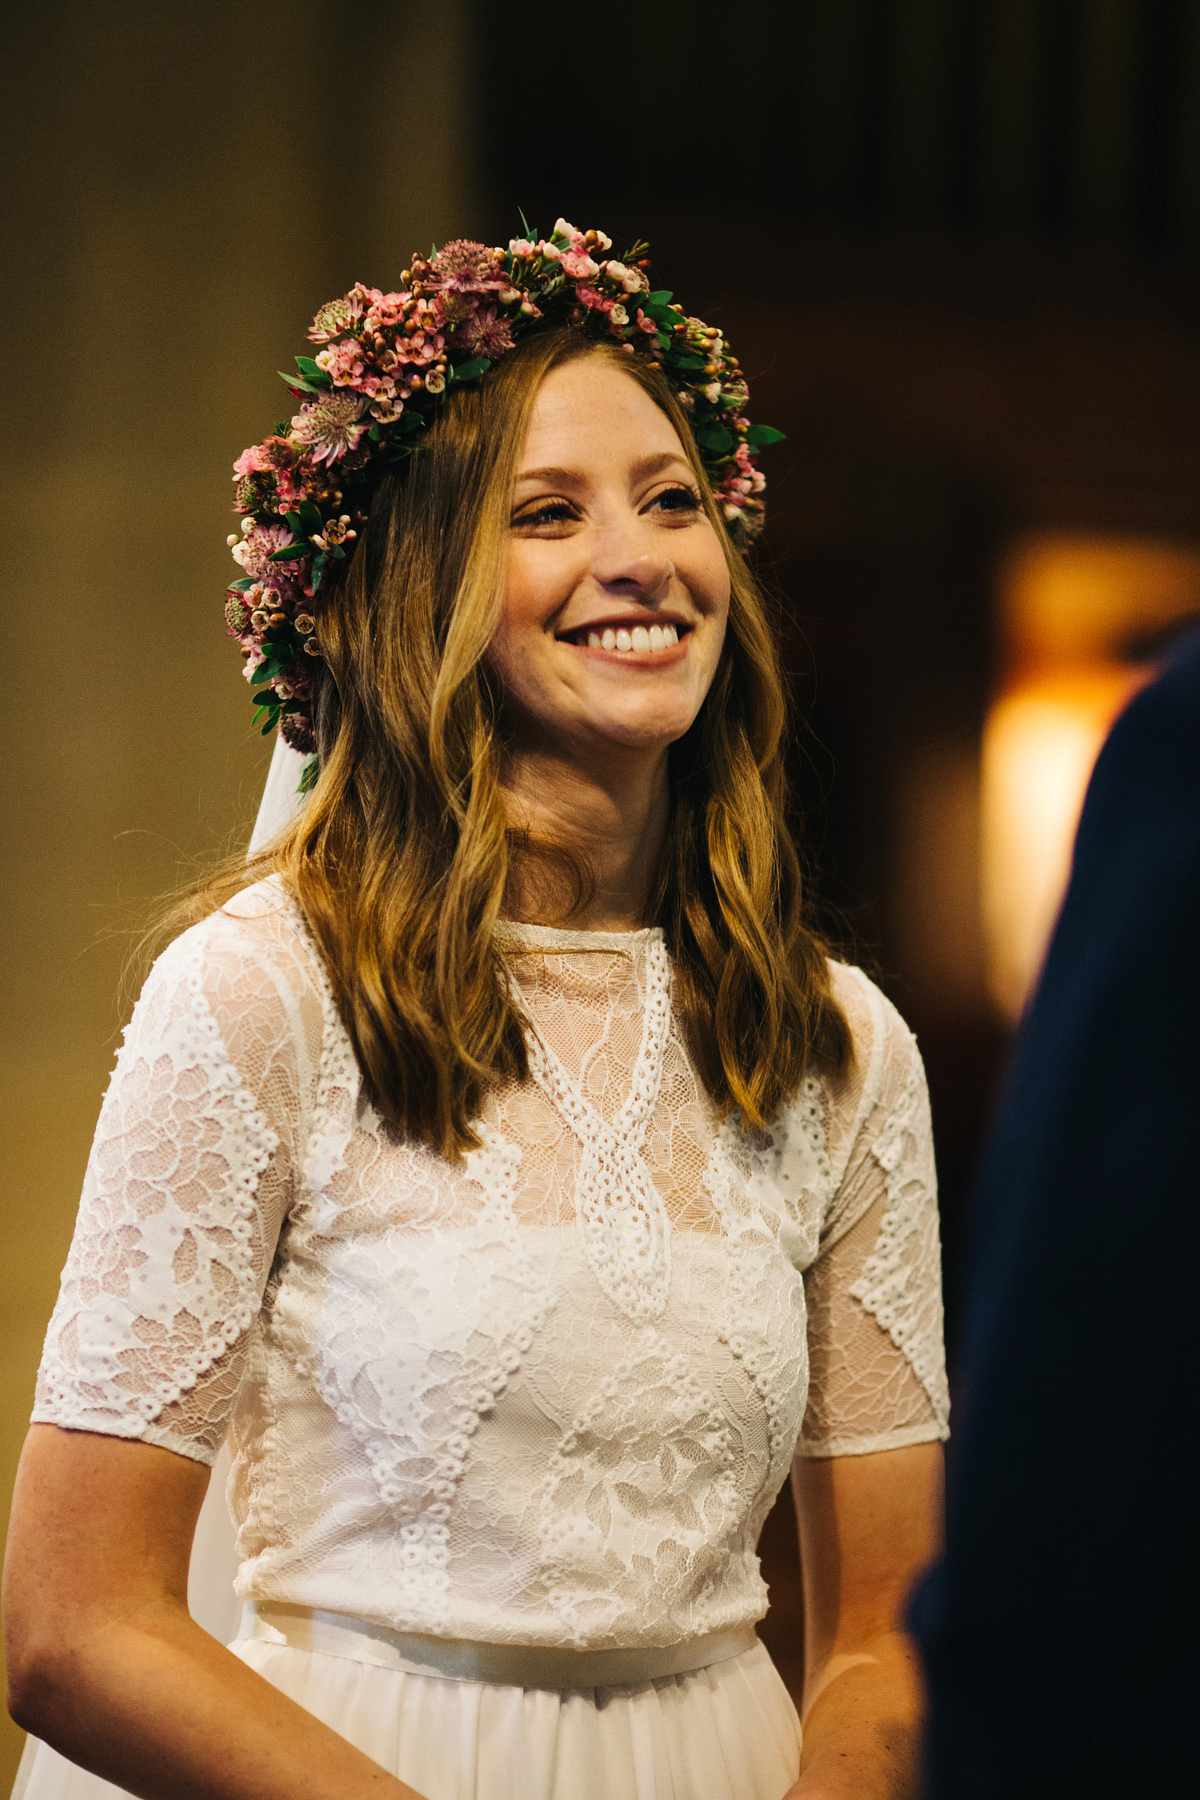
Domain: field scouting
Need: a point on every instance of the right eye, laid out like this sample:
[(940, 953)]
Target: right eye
[(546, 512)]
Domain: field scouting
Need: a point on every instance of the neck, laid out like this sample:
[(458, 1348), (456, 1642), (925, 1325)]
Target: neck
[(614, 817)]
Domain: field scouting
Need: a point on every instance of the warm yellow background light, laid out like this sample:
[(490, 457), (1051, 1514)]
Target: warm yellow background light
[(1039, 746), (1076, 613)]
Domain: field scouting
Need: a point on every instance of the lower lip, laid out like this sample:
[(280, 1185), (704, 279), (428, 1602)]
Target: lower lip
[(665, 658)]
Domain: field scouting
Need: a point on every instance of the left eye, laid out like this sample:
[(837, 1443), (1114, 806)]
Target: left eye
[(677, 499)]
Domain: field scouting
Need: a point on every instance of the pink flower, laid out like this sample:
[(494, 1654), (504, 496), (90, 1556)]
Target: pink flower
[(632, 280), (520, 247), (590, 296), (330, 426), (342, 362), (338, 316), (252, 461), (467, 267), (485, 333), (385, 313), (645, 324), (579, 266), (256, 548)]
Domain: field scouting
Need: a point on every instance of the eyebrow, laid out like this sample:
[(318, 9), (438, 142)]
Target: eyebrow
[(641, 470)]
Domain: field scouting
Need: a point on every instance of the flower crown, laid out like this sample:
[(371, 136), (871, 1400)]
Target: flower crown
[(385, 365)]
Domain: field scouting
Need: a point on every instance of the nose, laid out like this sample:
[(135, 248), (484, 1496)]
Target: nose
[(641, 574)]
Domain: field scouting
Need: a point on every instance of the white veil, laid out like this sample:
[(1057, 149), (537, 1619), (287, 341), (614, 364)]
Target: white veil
[(281, 799)]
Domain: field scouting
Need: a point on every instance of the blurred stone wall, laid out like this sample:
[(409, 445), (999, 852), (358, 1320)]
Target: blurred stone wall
[(184, 186)]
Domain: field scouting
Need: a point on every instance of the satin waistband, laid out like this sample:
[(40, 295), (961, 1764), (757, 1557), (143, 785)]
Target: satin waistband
[(501, 1665)]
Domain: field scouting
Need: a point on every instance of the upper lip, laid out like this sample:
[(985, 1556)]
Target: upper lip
[(625, 621)]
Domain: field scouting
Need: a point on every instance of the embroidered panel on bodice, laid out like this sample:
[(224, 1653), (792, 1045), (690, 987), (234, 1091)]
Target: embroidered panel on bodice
[(538, 1351)]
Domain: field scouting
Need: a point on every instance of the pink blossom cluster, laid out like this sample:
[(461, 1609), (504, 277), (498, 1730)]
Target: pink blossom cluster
[(383, 364)]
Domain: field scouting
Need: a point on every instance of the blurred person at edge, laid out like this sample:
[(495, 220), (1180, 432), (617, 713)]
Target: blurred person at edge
[(1061, 1631), (500, 1159)]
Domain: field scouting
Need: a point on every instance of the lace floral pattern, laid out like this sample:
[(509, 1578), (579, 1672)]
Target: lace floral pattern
[(544, 1396), (630, 1508)]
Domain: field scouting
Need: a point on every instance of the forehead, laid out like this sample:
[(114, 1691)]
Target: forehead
[(590, 409)]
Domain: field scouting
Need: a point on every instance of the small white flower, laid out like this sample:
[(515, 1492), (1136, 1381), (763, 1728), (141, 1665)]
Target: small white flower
[(435, 382), (618, 315)]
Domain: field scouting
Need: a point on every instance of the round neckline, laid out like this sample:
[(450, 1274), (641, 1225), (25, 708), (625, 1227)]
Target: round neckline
[(520, 936)]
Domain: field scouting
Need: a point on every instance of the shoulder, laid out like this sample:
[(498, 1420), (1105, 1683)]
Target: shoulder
[(260, 928), (884, 1046), (249, 965)]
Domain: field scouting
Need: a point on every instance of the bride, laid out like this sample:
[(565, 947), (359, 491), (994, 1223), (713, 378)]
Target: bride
[(497, 1160)]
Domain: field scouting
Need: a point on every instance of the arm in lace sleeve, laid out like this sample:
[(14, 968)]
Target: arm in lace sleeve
[(878, 1378), (186, 1189)]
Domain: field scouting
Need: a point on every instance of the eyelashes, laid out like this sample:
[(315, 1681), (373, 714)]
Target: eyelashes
[(678, 498)]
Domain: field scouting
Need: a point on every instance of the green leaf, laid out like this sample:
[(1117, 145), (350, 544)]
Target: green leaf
[(310, 514), (714, 438), (312, 369), (275, 664), (308, 776), (242, 585), (288, 553), (659, 297), (764, 434), (467, 371), (298, 384), (318, 568)]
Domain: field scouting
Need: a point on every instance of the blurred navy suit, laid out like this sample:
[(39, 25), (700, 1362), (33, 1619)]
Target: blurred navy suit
[(1061, 1632)]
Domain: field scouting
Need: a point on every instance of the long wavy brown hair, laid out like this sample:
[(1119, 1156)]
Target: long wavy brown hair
[(402, 858)]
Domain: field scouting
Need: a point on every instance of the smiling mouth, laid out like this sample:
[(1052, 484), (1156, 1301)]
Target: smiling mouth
[(634, 639)]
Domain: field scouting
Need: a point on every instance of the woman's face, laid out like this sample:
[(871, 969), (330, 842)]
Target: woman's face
[(618, 590)]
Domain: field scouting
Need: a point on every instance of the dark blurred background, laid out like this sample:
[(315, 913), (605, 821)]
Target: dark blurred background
[(956, 249)]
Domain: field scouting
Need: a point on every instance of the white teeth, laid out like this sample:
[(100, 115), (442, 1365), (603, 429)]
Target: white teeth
[(638, 638)]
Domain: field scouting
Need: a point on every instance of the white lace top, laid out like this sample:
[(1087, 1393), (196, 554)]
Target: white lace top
[(546, 1397)]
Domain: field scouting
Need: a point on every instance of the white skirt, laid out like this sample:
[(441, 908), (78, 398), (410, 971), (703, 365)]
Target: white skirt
[(726, 1731)]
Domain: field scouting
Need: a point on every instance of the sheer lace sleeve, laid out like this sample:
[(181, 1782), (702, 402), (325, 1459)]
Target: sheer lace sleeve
[(187, 1186), (878, 1378)]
